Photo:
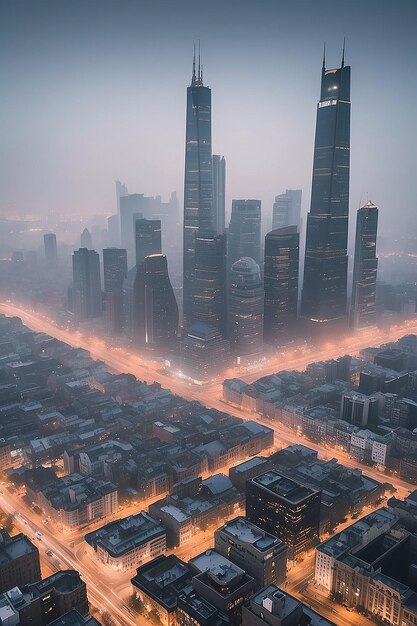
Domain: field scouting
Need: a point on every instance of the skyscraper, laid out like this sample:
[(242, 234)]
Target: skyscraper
[(51, 252), (287, 209), (246, 310), (325, 269), (86, 240), (219, 192), (132, 206), (198, 180), (281, 284), (87, 300), (113, 229), (245, 231), (115, 272), (204, 352), (209, 302), (155, 317), (365, 267), (147, 238)]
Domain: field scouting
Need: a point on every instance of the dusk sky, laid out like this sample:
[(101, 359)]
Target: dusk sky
[(94, 90)]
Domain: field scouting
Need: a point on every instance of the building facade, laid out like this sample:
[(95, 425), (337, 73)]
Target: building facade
[(245, 231), (287, 210), (198, 180), (155, 309), (325, 269), (86, 293), (210, 287), (219, 192), (363, 312), (51, 251), (147, 239), (281, 284), (286, 509), (245, 311), (115, 272)]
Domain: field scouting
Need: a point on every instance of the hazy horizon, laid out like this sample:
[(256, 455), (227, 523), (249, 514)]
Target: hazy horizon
[(96, 91)]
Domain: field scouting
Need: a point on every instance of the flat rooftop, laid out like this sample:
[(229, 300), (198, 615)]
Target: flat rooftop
[(243, 530), (221, 569), (15, 547), (284, 487)]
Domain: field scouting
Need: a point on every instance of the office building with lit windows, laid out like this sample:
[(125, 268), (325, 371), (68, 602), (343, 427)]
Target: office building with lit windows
[(325, 269), (286, 509), (198, 180)]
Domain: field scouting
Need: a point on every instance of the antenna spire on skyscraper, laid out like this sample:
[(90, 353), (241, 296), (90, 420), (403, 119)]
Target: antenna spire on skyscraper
[(324, 56), (343, 52), (193, 79), (199, 63)]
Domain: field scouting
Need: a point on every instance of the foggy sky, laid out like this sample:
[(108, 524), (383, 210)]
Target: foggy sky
[(94, 90)]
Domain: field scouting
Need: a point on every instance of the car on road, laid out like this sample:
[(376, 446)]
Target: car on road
[(38, 535), (49, 553)]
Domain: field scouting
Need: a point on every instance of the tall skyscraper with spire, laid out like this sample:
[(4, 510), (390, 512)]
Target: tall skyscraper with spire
[(198, 180), (325, 270)]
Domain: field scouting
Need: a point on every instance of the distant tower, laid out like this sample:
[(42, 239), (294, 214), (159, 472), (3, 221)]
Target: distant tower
[(115, 272), (287, 210), (147, 238), (245, 231), (209, 304), (155, 322), (87, 300), (246, 310), (51, 252), (365, 267), (121, 191), (219, 192), (281, 284), (198, 180), (86, 240), (113, 229), (323, 299)]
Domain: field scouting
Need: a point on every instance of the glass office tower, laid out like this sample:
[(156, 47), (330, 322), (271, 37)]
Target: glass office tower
[(325, 269), (365, 267), (198, 180)]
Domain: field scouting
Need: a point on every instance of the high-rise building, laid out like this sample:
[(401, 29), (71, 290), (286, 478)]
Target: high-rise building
[(281, 284), (86, 293), (115, 272), (365, 267), (245, 310), (198, 180), (325, 270), (219, 192), (210, 286), (147, 238), (113, 229), (204, 352), (286, 509), (121, 191), (263, 556), (133, 206), (155, 315), (245, 231), (51, 252), (86, 240), (287, 209)]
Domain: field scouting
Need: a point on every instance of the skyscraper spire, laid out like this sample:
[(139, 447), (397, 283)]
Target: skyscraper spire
[(343, 52), (199, 63), (193, 79), (324, 56)]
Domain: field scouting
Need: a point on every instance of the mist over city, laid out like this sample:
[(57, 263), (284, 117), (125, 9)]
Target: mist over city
[(208, 313)]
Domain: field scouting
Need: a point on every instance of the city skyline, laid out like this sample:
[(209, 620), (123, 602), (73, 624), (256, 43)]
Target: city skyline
[(108, 134)]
